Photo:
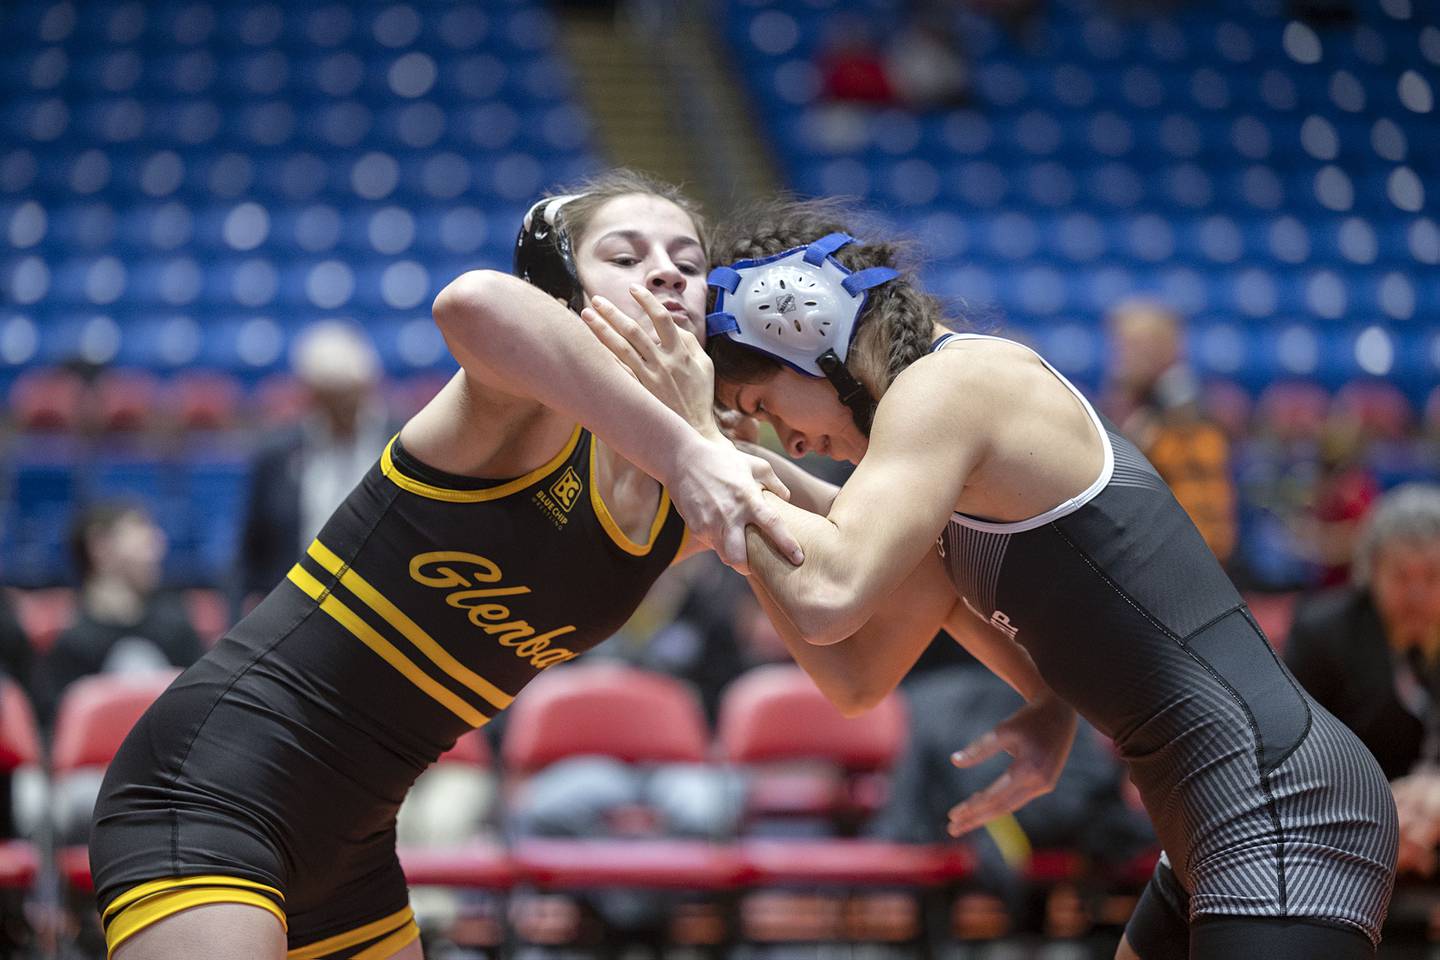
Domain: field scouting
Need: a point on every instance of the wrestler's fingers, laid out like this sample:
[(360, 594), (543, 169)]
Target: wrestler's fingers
[(664, 321), (642, 340)]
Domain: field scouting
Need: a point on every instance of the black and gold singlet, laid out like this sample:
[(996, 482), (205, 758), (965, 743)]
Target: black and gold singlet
[(467, 589), (271, 771)]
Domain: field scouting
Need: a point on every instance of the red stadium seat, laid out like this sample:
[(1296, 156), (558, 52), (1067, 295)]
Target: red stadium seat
[(96, 713), (126, 401), (606, 709), (813, 760), (47, 400), (205, 400), (94, 717), (471, 748), (775, 714), (477, 865), (1376, 407), (44, 613), (19, 743), (19, 747), (1292, 410), (632, 715)]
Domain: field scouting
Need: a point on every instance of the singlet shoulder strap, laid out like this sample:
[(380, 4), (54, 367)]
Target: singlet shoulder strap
[(1075, 503)]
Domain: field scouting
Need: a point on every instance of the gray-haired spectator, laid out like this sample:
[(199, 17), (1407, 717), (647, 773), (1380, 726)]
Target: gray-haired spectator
[(301, 473), (1369, 652)]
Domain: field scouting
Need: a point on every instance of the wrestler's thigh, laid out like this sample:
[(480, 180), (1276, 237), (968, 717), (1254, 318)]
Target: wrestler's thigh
[(216, 931)]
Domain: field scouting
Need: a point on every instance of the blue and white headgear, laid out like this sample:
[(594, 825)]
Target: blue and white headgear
[(800, 307)]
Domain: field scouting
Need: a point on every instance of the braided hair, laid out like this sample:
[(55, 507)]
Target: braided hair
[(893, 331)]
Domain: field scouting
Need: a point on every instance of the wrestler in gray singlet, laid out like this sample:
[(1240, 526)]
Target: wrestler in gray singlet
[(1265, 804)]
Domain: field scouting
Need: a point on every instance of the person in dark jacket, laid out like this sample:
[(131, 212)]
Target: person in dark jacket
[(124, 622), (302, 472), (1370, 653)]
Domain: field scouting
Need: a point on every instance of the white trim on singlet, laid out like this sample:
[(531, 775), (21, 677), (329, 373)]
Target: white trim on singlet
[(1075, 502)]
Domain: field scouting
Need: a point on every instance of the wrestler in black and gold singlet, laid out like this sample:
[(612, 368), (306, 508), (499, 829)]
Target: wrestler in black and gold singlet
[(270, 773)]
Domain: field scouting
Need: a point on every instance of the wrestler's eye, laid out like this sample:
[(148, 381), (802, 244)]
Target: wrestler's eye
[(624, 261)]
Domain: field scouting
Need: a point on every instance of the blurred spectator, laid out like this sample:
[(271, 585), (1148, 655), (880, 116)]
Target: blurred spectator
[(920, 65), (1154, 396), (124, 623), (705, 624), (1345, 489), (1018, 16), (951, 707), (302, 473), (926, 64), (851, 66), (15, 650), (604, 797), (1370, 654), (15, 657)]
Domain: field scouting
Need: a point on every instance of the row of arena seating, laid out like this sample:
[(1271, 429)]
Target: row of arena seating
[(182, 447), (186, 184), (1231, 346), (1265, 174), (800, 757), (116, 402)]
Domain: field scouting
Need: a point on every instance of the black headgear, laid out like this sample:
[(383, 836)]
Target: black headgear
[(542, 251)]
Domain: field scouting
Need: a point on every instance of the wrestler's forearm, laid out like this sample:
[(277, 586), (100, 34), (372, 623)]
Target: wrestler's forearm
[(1002, 656), (815, 596), (512, 337)]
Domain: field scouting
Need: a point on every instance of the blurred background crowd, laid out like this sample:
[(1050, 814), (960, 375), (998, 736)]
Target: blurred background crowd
[(222, 223)]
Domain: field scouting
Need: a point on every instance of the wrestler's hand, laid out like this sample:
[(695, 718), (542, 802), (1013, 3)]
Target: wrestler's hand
[(737, 426), (1038, 736), (669, 362), (1417, 801), (718, 490)]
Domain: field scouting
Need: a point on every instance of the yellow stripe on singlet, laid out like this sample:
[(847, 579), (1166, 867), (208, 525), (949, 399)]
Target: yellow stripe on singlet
[(390, 945), (149, 903), (411, 630), (396, 922), (607, 520), (367, 635), (144, 890)]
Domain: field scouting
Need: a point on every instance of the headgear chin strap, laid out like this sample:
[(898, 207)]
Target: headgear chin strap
[(543, 255), (800, 307)]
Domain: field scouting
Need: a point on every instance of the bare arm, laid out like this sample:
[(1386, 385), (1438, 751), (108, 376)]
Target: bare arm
[(888, 514), (514, 340), (1002, 656), (857, 674)]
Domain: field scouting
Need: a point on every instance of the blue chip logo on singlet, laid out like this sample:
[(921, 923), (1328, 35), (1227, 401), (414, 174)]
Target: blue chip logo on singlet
[(567, 488), (557, 501)]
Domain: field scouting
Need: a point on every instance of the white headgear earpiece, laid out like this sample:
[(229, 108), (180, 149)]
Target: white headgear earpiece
[(800, 307)]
